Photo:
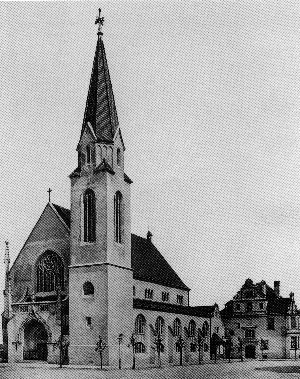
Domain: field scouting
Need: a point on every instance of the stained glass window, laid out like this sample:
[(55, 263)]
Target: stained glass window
[(50, 272)]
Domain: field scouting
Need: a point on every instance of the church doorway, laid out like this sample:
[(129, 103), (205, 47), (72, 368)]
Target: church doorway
[(250, 351), (35, 341)]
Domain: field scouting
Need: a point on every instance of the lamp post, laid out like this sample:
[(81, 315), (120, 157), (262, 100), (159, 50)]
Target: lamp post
[(180, 344), (132, 343), (120, 340), (100, 347)]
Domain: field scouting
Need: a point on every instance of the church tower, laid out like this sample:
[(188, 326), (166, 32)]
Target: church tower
[(100, 274)]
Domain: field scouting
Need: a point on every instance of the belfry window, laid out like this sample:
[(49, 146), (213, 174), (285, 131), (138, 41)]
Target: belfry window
[(88, 154), (118, 156), (50, 273), (118, 216), (89, 213)]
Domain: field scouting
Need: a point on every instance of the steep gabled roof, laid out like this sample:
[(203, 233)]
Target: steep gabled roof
[(149, 265), (64, 213), (100, 109)]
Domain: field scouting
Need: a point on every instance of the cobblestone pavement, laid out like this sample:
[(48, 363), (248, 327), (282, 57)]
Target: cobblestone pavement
[(224, 370)]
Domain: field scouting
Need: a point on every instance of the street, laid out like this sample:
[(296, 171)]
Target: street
[(233, 370)]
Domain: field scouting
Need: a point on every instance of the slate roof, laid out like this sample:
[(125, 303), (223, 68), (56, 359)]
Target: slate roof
[(147, 262), (171, 308), (149, 265), (64, 213), (100, 109)]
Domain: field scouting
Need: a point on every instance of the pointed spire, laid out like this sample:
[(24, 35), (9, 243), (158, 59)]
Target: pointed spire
[(6, 256), (100, 109)]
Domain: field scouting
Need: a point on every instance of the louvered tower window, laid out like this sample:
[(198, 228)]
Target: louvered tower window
[(118, 216), (50, 272), (89, 222)]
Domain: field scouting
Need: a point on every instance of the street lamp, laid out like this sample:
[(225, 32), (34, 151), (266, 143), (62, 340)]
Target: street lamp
[(100, 346), (120, 340)]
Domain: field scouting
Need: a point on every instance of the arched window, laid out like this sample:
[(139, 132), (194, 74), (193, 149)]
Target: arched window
[(192, 328), (88, 288), (159, 325), (50, 272), (140, 323), (139, 347), (118, 156), (89, 214), (205, 329), (177, 327), (118, 216)]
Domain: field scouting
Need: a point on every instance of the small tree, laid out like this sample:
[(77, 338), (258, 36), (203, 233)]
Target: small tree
[(100, 347), (132, 343), (180, 344), (159, 346), (241, 345), (263, 347), (200, 341)]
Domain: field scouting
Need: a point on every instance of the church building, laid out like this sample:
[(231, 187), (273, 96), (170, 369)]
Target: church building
[(83, 283)]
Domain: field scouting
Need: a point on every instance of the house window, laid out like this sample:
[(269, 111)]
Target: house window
[(89, 214), (88, 288), (159, 325), (293, 323), (271, 323), (118, 156), (249, 333), (139, 347), (133, 290), (193, 347), (192, 328), (50, 272), (148, 293), (248, 294), (294, 342), (118, 216), (177, 327), (249, 307), (88, 321), (179, 299), (238, 307), (264, 344), (140, 323), (205, 329), (165, 296), (261, 305)]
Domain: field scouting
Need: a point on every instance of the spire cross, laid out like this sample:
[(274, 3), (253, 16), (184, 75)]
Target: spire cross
[(100, 21), (49, 192)]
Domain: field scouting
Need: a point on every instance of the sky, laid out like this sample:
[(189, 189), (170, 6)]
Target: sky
[(208, 100)]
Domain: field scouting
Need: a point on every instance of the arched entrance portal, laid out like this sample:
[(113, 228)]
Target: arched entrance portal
[(250, 351), (35, 341)]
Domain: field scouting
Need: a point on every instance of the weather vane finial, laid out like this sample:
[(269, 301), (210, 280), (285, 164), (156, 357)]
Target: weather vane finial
[(100, 21)]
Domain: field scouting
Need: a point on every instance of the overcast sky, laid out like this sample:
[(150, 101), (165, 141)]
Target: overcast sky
[(208, 99)]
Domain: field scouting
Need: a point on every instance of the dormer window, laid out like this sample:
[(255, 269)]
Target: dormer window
[(88, 154)]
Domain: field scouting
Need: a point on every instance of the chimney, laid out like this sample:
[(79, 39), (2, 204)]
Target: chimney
[(149, 236), (277, 287)]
